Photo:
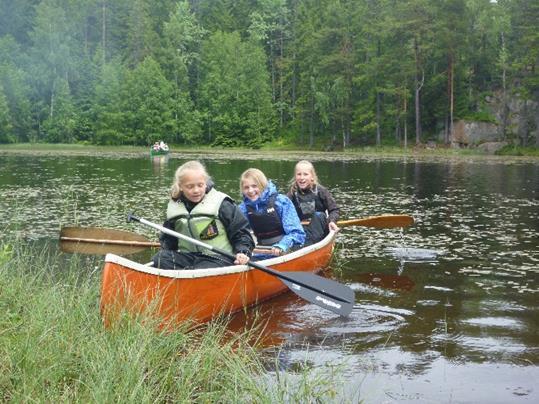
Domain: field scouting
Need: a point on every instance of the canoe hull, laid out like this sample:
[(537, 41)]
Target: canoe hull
[(199, 295), (158, 152)]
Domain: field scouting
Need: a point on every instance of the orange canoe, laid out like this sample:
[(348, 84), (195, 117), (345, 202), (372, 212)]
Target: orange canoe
[(200, 294)]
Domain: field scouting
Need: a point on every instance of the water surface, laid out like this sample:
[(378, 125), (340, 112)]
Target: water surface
[(446, 310)]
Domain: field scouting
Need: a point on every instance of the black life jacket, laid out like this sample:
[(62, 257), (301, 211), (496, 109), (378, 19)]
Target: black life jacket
[(308, 203), (266, 224)]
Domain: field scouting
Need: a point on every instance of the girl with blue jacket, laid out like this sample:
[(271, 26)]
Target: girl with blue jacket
[(272, 216)]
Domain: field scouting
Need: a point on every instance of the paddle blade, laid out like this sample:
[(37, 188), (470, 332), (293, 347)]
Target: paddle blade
[(335, 296), (100, 233), (383, 221)]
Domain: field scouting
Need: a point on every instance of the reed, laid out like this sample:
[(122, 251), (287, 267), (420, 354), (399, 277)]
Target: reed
[(54, 348)]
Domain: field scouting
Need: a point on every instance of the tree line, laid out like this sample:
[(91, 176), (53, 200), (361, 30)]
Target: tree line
[(334, 73)]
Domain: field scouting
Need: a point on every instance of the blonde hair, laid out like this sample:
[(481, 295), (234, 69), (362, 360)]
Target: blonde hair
[(193, 165), (257, 176), (310, 167)]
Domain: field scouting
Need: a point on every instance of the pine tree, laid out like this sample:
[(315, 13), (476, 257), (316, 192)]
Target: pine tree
[(147, 104), (180, 56), (6, 135), (235, 92)]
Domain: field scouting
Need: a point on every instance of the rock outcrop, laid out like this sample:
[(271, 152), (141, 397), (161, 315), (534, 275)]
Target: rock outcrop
[(517, 122), (470, 133)]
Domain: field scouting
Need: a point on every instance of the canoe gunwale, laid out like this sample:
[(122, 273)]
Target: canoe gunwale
[(211, 272), (159, 153)]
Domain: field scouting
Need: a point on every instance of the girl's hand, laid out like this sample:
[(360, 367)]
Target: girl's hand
[(333, 226), (241, 259), (276, 251)]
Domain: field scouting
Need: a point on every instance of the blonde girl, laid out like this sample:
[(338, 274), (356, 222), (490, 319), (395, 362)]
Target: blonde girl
[(313, 202), (272, 216), (197, 210)]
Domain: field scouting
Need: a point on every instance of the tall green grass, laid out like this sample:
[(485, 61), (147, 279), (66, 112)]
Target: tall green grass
[(54, 348), (512, 150)]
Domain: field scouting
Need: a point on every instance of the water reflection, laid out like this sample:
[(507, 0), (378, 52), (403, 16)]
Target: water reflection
[(159, 163), (446, 303), (386, 281)]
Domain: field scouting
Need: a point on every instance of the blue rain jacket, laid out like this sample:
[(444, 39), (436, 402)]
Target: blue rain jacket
[(294, 235)]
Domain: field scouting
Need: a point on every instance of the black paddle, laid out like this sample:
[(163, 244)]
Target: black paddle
[(323, 292)]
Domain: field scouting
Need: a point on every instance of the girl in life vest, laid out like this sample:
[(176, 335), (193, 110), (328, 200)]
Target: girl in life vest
[(199, 211), (314, 204), (272, 216)]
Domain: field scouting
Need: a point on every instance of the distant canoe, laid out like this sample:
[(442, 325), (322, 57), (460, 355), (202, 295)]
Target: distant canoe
[(200, 294), (159, 152)]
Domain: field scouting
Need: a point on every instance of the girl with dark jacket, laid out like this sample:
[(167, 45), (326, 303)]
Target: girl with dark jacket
[(313, 202)]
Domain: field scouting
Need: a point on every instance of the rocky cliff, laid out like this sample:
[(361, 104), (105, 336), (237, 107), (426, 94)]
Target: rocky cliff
[(516, 123)]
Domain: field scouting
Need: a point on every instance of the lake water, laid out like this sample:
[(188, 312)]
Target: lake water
[(446, 310)]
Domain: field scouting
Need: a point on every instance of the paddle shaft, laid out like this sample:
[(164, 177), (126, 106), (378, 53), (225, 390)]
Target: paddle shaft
[(94, 235), (107, 241), (295, 283), (133, 243)]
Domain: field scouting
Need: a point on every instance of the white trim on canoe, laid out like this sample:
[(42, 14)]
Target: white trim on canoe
[(200, 273)]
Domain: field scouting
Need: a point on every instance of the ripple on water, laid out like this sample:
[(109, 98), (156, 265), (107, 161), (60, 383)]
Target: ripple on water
[(369, 289), (490, 307), (427, 303), (367, 323), (439, 288), (500, 322), (484, 344), (387, 310), (409, 254)]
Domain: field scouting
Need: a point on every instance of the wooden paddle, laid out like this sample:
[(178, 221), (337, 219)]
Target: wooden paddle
[(381, 222), (323, 292), (96, 240)]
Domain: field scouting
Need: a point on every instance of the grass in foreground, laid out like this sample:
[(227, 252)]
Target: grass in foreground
[(53, 347)]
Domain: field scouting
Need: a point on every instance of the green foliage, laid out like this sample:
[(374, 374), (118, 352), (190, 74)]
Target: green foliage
[(60, 125), (140, 35), (481, 116), (525, 44), (146, 100), (6, 135), (6, 253), (182, 36), (512, 150), (180, 57), (107, 105), (13, 81), (237, 72), (234, 92), (225, 15), (16, 19)]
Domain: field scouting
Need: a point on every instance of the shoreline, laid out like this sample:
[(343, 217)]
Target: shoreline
[(370, 153)]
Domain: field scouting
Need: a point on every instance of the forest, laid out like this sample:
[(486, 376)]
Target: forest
[(326, 73)]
